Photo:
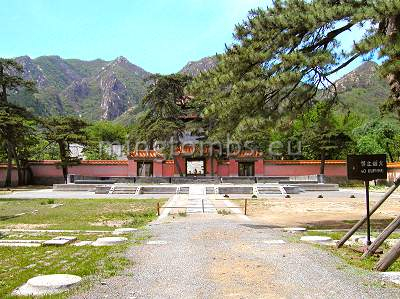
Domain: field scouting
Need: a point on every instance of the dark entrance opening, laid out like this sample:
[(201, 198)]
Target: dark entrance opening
[(246, 168), (144, 168), (195, 167)]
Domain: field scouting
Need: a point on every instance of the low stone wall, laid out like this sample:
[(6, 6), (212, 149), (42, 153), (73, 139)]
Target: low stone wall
[(195, 180), (239, 180), (152, 180)]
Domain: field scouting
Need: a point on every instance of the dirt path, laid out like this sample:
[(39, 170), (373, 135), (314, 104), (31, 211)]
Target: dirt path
[(215, 256)]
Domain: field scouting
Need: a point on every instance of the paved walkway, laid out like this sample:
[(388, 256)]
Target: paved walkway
[(197, 200), (215, 256)]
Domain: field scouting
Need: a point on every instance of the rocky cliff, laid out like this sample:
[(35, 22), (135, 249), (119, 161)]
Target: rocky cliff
[(93, 89), (194, 68)]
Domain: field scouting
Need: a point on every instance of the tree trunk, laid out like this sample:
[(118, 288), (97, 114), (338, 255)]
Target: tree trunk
[(389, 152), (389, 258), (382, 237), (178, 167), (392, 30), (8, 181), (18, 164), (322, 165), (212, 165), (63, 158)]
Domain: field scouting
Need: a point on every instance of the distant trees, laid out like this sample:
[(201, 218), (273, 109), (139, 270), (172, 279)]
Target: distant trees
[(379, 136), (323, 134), (102, 135)]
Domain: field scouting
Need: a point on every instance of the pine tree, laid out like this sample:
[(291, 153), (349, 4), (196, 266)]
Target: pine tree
[(14, 121), (283, 56), (163, 107)]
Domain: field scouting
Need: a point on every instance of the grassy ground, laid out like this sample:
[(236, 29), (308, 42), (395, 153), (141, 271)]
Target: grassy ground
[(23, 188), (76, 214), (18, 264), (350, 255)]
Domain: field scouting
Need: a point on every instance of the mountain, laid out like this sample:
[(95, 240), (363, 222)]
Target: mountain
[(95, 89), (111, 90), (363, 90), (194, 68)]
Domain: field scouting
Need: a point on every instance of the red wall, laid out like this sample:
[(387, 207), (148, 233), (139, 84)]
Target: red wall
[(223, 168), (84, 170), (132, 168), (259, 168), (3, 173), (181, 161), (208, 167), (168, 168), (157, 168), (48, 169), (233, 168), (303, 169)]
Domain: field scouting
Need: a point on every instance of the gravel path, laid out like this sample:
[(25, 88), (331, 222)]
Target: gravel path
[(215, 256)]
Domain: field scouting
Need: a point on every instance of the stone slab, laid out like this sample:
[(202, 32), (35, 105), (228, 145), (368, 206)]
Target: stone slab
[(55, 242), (56, 205), (109, 241), (47, 285), (361, 239), (392, 242), (59, 241), (69, 238), (20, 244), (316, 239), (37, 231), (82, 243), (20, 214), (122, 231), (393, 277), (21, 241)]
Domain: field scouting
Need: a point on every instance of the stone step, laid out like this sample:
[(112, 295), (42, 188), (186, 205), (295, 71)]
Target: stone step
[(271, 179), (158, 190), (235, 190), (238, 180), (183, 190), (319, 187), (212, 190), (269, 191)]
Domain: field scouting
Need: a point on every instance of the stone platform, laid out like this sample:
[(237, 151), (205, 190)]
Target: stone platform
[(257, 189)]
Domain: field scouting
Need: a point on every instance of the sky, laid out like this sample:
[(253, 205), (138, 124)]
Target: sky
[(160, 36)]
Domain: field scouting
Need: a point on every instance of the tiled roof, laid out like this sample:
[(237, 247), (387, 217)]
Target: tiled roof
[(104, 162), (393, 165), (83, 162), (145, 154), (305, 162), (247, 154), (190, 149)]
